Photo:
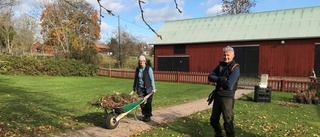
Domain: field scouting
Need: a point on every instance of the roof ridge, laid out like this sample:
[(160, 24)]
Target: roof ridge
[(251, 13)]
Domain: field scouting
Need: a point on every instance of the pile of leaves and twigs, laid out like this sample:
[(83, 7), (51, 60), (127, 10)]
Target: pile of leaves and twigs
[(115, 100), (309, 96)]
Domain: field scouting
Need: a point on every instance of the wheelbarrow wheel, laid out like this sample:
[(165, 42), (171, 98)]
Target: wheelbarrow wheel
[(111, 121)]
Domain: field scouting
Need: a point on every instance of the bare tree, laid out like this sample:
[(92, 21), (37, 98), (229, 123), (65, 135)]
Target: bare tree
[(232, 7), (123, 50), (6, 28), (7, 32), (25, 27), (140, 48)]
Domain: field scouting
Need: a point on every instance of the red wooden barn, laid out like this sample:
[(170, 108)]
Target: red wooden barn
[(282, 43)]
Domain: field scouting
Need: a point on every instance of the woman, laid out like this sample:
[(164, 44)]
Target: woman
[(144, 85)]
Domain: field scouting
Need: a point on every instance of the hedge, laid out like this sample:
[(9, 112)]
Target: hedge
[(31, 65)]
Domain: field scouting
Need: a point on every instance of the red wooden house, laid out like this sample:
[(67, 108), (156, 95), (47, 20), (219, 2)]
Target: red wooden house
[(282, 43), (39, 48), (36, 47), (103, 48)]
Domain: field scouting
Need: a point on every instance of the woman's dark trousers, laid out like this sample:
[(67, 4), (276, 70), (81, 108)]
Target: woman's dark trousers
[(146, 107)]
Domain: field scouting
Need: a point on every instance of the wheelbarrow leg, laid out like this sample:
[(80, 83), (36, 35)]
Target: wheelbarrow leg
[(135, 114)]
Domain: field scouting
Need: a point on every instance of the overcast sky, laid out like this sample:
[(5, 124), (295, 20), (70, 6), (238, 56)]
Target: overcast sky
[(158, 11)]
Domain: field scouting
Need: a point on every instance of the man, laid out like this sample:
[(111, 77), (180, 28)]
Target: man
[(144, 85), (226, 76)]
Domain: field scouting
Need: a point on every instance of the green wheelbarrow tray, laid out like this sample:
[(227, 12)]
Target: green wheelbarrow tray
[(118, 113), (127, 108)]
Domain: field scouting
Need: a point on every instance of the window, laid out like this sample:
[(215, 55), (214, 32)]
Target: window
[(179, 49)]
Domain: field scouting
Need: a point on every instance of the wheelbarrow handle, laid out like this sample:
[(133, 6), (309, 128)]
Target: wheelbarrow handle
[(147, 96), (143, 101), (124, 114)]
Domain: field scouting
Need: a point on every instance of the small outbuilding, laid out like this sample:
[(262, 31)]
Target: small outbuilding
[(282, 43), (103, 48)]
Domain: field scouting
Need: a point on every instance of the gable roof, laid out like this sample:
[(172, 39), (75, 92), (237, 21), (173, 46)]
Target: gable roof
[(102, 46), (281, 24)]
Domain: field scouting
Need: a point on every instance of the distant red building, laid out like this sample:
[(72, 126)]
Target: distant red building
[(103, 48), (39, 48)]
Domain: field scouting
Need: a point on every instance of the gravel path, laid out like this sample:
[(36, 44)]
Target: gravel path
[(128, 126)]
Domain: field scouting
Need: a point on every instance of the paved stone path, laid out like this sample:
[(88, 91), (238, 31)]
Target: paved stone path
[(128, 126)]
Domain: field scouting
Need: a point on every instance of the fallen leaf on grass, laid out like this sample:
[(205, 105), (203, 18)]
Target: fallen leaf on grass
[(288, 104)]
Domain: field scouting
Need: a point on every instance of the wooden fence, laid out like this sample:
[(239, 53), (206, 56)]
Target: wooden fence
[(202, 78), (291, 86), (180, 77)]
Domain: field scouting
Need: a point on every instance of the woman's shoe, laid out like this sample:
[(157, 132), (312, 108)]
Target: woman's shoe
[(146, 118)]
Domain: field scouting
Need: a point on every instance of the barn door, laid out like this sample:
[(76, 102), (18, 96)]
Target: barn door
[(317, 60), (171, 63), (248, 58)]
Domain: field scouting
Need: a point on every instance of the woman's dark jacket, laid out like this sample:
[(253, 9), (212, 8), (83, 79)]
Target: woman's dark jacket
[(146, 78)]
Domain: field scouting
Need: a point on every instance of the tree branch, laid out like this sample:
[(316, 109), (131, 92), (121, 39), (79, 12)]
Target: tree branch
[(175, 1), (8, 3), (140, 1), (141, 10), (109, 11), (70, 4)]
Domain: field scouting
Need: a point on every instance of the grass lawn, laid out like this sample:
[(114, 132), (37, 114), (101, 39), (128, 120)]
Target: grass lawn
[(45, 106), (279, 118)]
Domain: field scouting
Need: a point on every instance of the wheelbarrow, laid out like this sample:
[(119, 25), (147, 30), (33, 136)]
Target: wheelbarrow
[(114, 115)]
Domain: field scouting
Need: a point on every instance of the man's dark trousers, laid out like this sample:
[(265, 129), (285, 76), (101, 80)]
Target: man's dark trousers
[(225, 106)]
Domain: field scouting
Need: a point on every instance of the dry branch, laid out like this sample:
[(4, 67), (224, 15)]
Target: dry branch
[(115, 100), (141, 10)]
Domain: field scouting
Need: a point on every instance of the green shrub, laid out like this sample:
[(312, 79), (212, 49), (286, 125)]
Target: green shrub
[(13, 65), (88, 55)]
